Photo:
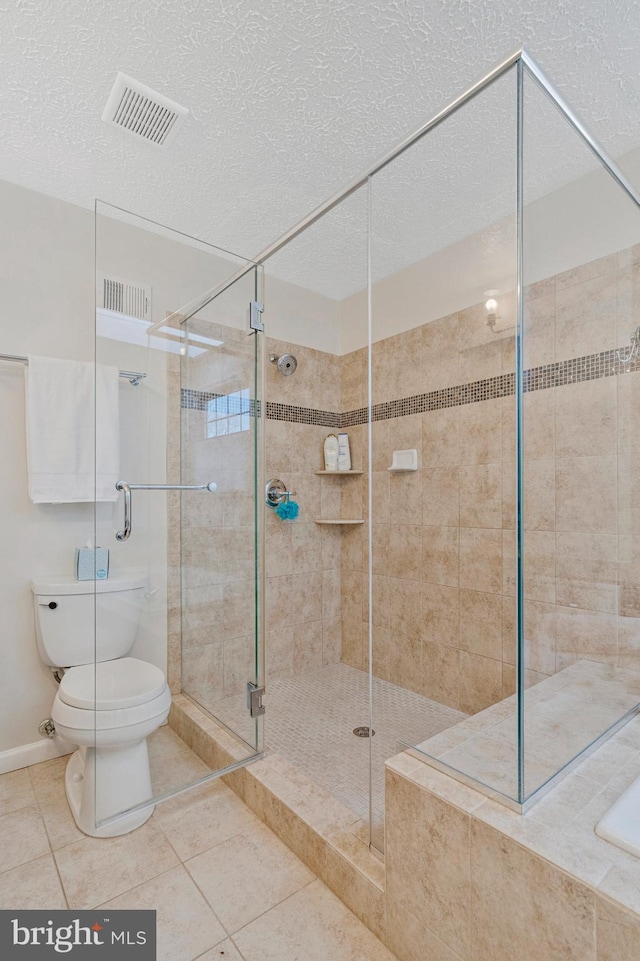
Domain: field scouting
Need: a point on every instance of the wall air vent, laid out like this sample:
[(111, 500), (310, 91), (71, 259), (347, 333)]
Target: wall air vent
[(123, 297), (142, 112)]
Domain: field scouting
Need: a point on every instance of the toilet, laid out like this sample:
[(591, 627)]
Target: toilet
[(107, 703)]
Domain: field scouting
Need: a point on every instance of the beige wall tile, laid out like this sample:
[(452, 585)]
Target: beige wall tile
[(441, 555), (405, 607), (480, 682), (440, 614), (581, 633), (481, 560), (405, 661), (476, 363), (405, 497), (441, 496), (428, 867), (481, 496), (504, 873), (539, 333), (586, 422), (440, 674), (539, 433), (405, 550), (481, 432), (411, 940), (307, 647), (629, 643), (481, 623), (441, 438), (539, 481), (618, 933), (585, 316), (331, 641), (587, 571)]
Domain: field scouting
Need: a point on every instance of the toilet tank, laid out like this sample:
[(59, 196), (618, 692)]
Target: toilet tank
[(78, 622)]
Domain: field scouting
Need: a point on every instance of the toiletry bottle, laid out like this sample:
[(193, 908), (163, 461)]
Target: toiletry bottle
[(331, 452), (344, 454)]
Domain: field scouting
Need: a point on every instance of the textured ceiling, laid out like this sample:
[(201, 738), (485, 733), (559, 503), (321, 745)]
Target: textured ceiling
[(290, 98)]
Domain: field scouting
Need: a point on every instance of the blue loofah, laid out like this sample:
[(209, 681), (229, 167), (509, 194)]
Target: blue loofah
[(288, 510)]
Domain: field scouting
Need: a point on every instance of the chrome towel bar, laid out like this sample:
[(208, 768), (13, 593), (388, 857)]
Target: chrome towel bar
[(124, 534), (133, 376)]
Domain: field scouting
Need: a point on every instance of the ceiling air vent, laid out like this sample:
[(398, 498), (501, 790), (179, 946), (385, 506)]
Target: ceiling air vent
[(143, 112), (123, 297)]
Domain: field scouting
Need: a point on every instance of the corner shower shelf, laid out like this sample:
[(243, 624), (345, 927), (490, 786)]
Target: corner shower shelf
[(338, 473), (336, 520)]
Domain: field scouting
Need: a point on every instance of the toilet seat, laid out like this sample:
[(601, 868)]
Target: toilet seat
[(129, 692), (111, 685), (82, 719)]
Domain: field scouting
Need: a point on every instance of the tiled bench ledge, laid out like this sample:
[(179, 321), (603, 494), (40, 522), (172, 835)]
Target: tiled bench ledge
[(323, 833), (563, 715), (493, 885)]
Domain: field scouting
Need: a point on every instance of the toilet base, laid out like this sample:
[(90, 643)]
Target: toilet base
[(99, 783)]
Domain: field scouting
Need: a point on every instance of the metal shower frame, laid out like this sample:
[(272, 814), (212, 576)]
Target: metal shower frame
[(524, 64)]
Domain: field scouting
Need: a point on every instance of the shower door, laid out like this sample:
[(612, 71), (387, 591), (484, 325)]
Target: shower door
[(182, 320), (220, 441)]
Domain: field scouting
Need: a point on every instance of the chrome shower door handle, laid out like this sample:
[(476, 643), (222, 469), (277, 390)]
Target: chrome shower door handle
[(124, 534), (127, 488)]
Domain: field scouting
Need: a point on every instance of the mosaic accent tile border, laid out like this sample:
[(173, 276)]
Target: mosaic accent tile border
[(199, 400), (303, 415), (574, 371)]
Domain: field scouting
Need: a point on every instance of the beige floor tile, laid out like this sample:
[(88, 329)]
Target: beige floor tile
[(165, 742), (16, 791), (223, 875), (95, 870), (313, 925), (171, 772), (186, 925), (48, 777), (204, 817), (32, 886), (48, 782), (225, 951), (22, 837)]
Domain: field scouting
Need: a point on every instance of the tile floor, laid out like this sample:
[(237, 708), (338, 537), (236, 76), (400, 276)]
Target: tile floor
[(223, 884), (310, 720)]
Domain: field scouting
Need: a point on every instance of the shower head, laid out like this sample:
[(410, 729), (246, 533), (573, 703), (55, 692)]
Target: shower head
[(286, 363)]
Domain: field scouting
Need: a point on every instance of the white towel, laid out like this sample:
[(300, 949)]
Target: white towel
[(67, 460)]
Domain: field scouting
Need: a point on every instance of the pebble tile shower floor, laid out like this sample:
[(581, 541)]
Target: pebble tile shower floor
[(310, 720)]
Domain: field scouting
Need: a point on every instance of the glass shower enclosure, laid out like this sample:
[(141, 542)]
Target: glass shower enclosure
[(467, 311), (485, 277), (184, 533)]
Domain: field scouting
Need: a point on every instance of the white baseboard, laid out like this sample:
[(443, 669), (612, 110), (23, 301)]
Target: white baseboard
[(29, 754)]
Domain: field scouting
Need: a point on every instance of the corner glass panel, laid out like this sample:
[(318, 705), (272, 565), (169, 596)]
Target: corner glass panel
[(182, 564), (581, 665), (317, 562), (444, 440)]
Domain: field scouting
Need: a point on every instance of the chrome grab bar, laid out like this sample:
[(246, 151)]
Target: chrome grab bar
[(124, 534)]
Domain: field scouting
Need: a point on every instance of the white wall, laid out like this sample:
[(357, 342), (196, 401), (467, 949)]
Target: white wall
[(47, 277), (582, 221)]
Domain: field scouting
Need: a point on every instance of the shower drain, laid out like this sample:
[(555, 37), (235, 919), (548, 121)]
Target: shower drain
[(363, 731)]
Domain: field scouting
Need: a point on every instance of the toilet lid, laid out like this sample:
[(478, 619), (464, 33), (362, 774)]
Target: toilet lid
[(111, 685)]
